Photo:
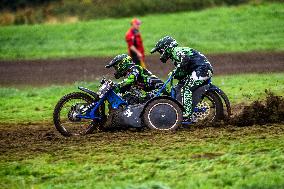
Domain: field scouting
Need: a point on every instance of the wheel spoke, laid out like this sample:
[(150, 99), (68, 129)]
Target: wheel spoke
[(207, 110), (70, 122), (67, 111)]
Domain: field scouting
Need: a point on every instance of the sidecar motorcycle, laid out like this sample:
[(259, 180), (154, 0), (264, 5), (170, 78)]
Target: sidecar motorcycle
[(80, 113)]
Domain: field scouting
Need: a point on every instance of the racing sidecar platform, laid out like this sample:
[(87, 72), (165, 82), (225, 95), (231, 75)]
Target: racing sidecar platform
[(128, 117), (162, 113)]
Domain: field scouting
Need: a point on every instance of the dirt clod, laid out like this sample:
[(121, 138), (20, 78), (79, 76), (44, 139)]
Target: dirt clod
[(269, 111)]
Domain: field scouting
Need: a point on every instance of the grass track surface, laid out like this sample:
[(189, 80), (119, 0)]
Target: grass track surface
[(37, 157), (36, 104), (233, 29)]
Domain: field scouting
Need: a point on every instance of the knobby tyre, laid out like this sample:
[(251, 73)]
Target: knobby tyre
[(214, 108), (69, 125)]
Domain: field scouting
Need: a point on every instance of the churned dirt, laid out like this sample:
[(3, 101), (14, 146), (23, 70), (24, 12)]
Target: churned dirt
[(61, 71), (42, 137), (271, 110), (259, 117)]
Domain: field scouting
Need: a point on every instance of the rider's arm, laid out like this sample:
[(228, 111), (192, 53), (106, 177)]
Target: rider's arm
[(182, 66), (135, 50), (128, 82), (184, 61)]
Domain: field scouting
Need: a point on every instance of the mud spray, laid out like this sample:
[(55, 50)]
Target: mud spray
[(271, 110)]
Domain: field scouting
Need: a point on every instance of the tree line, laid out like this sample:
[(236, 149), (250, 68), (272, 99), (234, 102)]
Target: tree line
[(39, 11)]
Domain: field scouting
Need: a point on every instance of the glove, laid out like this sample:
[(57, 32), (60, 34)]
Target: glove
[(116, 87)]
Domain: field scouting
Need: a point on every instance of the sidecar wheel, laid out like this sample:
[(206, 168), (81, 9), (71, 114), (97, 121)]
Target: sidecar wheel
[(162, 114)]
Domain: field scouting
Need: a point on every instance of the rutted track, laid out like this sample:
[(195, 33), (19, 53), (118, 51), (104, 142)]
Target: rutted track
[(43, 138), (60, 71), (32, 134)]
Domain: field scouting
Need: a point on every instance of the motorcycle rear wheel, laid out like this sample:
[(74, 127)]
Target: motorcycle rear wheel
[(212, 107)]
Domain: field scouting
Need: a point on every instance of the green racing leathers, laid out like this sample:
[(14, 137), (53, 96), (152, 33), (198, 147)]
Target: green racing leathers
[(140, 77)]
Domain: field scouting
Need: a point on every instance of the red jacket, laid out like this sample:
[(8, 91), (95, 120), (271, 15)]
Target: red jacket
[(133, 37)]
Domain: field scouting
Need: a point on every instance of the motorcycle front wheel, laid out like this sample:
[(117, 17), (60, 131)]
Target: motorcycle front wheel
[(65, 114)]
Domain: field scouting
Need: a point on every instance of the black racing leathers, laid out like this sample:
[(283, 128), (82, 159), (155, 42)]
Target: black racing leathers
[(188, 60), (193, 69)]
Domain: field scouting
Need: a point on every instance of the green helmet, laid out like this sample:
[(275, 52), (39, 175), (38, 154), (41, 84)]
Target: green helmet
[(164, 46), (121, 64)]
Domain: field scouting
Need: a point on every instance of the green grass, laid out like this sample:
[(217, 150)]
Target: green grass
[(225, 29), (33, 104), (244, 158), (36, 104)]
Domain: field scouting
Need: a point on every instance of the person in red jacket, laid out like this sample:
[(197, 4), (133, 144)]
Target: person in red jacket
[(135, 44)]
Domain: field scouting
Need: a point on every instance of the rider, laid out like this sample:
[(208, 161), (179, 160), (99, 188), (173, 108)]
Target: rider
[(193, 68), (135, 75)]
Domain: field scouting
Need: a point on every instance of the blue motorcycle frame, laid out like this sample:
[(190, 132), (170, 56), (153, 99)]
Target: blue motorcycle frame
[(116, 101)]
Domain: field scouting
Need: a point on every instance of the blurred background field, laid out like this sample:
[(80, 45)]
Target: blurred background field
[(243, 38), (31, 105), (252, 27), (54, 11), (220, 26)]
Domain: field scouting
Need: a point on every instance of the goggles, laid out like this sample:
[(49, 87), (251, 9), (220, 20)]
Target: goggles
[(161, 51)]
